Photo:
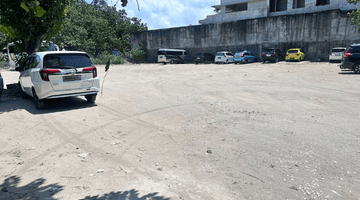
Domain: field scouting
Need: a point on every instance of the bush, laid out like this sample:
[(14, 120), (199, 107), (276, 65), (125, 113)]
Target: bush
[(138, 54), (105, 56)]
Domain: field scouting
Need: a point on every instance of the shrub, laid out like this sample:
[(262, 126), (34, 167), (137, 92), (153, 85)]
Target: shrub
[(105, 56), (138, 54)]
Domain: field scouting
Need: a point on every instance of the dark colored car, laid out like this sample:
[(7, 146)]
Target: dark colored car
[(1, 84), (204, 58), (272, 55), (351, 59)]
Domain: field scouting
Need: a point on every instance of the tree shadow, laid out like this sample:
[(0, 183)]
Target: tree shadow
[(10, 190), (12, 99), (126, 195)]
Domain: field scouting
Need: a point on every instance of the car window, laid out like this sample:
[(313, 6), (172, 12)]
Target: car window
[(219, 54), (34, 62), (355, 49), (338, 50), (161, 52), (293, 51), (198, 55), (268, 50), (66, 61), (229, 54)]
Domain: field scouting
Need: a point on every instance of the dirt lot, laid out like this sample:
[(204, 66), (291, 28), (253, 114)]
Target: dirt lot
[(199, 132)]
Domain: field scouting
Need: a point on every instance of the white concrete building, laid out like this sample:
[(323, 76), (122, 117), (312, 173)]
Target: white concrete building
[(233, 10)]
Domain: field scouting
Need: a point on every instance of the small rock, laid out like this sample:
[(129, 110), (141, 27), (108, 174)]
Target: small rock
[(272, 166), (100, 171), (294, 188)]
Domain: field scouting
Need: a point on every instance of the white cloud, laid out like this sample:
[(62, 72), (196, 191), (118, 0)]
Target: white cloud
[(160, 14)]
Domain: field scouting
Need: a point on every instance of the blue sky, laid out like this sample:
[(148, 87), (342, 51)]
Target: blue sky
[(159, 14)]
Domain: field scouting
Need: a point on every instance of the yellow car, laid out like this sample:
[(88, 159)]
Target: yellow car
[(294, 54)]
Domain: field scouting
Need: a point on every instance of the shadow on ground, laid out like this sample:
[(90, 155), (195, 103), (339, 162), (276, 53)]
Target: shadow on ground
[(10, 189), (126, 195), (11, 99)]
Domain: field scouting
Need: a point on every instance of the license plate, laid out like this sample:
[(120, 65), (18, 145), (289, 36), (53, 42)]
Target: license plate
[(72, 78), (237, 56), (198, 58), (337, 54), (268, 55)]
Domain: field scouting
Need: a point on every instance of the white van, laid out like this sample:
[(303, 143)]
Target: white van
[(172, 56)]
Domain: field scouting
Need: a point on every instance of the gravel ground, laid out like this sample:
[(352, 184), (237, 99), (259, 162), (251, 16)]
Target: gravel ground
[(202, 132)]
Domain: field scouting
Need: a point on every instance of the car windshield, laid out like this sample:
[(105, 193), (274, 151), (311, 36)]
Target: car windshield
[(293, 51), (219, 54), (161, 52), (338, 50), (198, 55), (66, 61), (268, 50)]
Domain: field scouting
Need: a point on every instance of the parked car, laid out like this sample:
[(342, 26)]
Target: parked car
[(351, 59), (1, 84), (58, 74), (204, 58), (336, 54), (224, 57), (295, 54), (244, 57), (272, 55)]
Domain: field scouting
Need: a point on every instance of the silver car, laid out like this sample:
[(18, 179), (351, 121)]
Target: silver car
[(336, 54), (224, 57), (58, 74)]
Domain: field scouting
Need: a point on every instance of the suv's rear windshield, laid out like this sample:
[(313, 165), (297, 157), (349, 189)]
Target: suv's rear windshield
[(268, 50), (293, 51), (219, 54), (161, 52), (338, 50), (67, 61)]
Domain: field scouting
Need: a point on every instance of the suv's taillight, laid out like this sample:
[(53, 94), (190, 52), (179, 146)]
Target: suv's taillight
[(91, 69), (264, 55), (274, 54), (44, 73), (347, 55), (297, 54)]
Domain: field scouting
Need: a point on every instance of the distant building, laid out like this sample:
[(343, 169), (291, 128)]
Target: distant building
[(233, 10)]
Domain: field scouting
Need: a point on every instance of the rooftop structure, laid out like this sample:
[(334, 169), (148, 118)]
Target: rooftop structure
[(233, 10)]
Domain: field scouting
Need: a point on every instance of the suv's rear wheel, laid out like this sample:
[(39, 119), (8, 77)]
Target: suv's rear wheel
[(39, 103), (357, 68), (91, 98), (227, 62)]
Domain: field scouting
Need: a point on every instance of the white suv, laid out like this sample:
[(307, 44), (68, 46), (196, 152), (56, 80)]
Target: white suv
[(57, 74), (224, 57)]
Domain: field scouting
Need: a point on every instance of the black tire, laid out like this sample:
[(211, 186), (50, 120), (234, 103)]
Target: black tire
[(171, 61), (39, 103), (227, 62), (276, 60), (263, 61), (357, 68), (90, 98), (246, 61)]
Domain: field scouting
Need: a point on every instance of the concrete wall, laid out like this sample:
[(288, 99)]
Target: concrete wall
[(316, 33), (260, 8)]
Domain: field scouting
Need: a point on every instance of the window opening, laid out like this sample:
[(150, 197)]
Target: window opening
[(278, 5), (322, 2), (237, 7), (299, 4)]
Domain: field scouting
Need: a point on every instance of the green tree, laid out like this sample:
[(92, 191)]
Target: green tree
[(32, 21), (355, 14), (97, 27)]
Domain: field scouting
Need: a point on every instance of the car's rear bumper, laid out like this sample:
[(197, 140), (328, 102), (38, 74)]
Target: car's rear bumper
[(70, 93), (346, 65)]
